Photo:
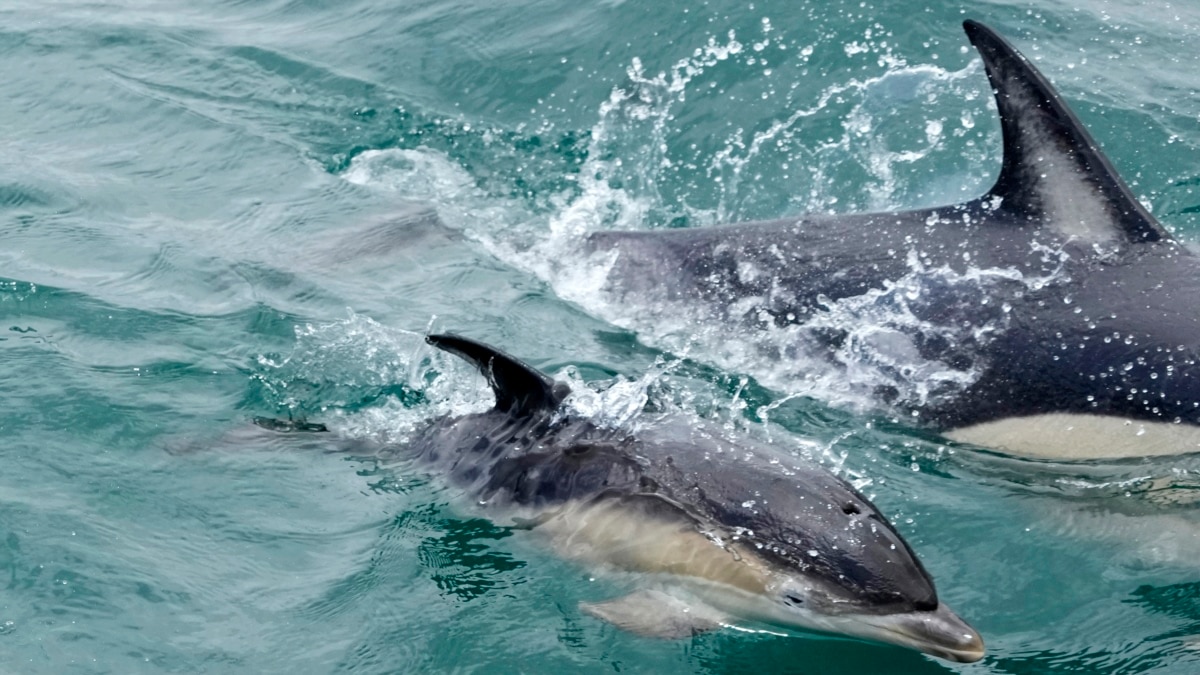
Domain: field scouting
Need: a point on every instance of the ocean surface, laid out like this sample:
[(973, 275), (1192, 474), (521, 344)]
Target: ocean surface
[(213, 211)]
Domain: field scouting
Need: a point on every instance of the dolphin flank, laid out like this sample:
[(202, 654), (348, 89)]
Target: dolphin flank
[(720, 531), (1063, 318)]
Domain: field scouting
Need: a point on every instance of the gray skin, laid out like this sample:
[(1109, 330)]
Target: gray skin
[(745, 532), (1114, 332)]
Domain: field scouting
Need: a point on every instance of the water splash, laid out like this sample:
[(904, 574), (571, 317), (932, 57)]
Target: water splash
[(640, 173), (367, 380)]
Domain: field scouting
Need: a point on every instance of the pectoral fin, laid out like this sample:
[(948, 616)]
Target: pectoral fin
[(654, 614)]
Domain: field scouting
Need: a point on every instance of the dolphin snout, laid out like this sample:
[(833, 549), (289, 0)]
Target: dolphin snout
[(939, 633), (946, 635)]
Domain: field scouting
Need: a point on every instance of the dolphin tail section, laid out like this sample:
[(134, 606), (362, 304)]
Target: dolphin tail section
[(519, 388), (1052, 166)]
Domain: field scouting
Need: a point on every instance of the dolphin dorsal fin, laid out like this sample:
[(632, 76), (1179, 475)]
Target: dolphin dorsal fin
[(519, 389), (1053, 170)]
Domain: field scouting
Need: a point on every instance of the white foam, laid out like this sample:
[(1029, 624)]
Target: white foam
[(618, 188), (429, 176), (339, 363)]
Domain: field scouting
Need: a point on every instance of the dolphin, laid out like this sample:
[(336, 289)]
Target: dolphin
[(719, 531), (1060, 317)]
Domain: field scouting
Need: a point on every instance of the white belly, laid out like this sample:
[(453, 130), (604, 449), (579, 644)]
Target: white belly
[(1068, 436)]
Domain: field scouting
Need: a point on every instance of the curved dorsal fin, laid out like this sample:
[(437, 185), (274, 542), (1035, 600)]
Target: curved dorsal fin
[(1053, 170), (519, 389)]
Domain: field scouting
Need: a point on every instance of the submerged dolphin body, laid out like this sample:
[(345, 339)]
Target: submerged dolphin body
[(1062, 318), (734, 531)]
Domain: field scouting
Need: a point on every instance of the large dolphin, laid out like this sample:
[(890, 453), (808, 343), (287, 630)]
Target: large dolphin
[(720, 531), (1067, 317)]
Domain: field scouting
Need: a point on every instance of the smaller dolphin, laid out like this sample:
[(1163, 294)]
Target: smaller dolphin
[(722, 531)]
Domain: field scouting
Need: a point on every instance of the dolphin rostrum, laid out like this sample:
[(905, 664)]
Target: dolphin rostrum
[(718, 531), (1052, 316)]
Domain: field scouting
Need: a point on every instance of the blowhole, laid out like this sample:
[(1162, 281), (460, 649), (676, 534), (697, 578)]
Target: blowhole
[(850, 508)]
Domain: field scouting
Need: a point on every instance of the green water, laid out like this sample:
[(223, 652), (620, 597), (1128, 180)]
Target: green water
[(211, 211)]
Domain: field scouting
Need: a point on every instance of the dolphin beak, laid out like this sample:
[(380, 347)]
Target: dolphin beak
[(939, 633)]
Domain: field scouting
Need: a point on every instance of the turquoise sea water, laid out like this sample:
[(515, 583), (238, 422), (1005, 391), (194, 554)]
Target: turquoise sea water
[(211, 211)]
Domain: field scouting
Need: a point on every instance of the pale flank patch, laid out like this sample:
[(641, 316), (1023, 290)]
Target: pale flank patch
[(628, 539), (1068, 436)]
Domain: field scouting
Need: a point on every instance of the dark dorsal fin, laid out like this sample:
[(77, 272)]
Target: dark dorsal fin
[(1053, 169), (519, 389)]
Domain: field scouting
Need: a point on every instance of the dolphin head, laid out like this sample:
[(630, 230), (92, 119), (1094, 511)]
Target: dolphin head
[(830, 561), (933, 629)]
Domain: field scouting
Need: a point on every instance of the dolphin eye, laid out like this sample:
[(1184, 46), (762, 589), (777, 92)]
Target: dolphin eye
[(793, 600), (850, 508)]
